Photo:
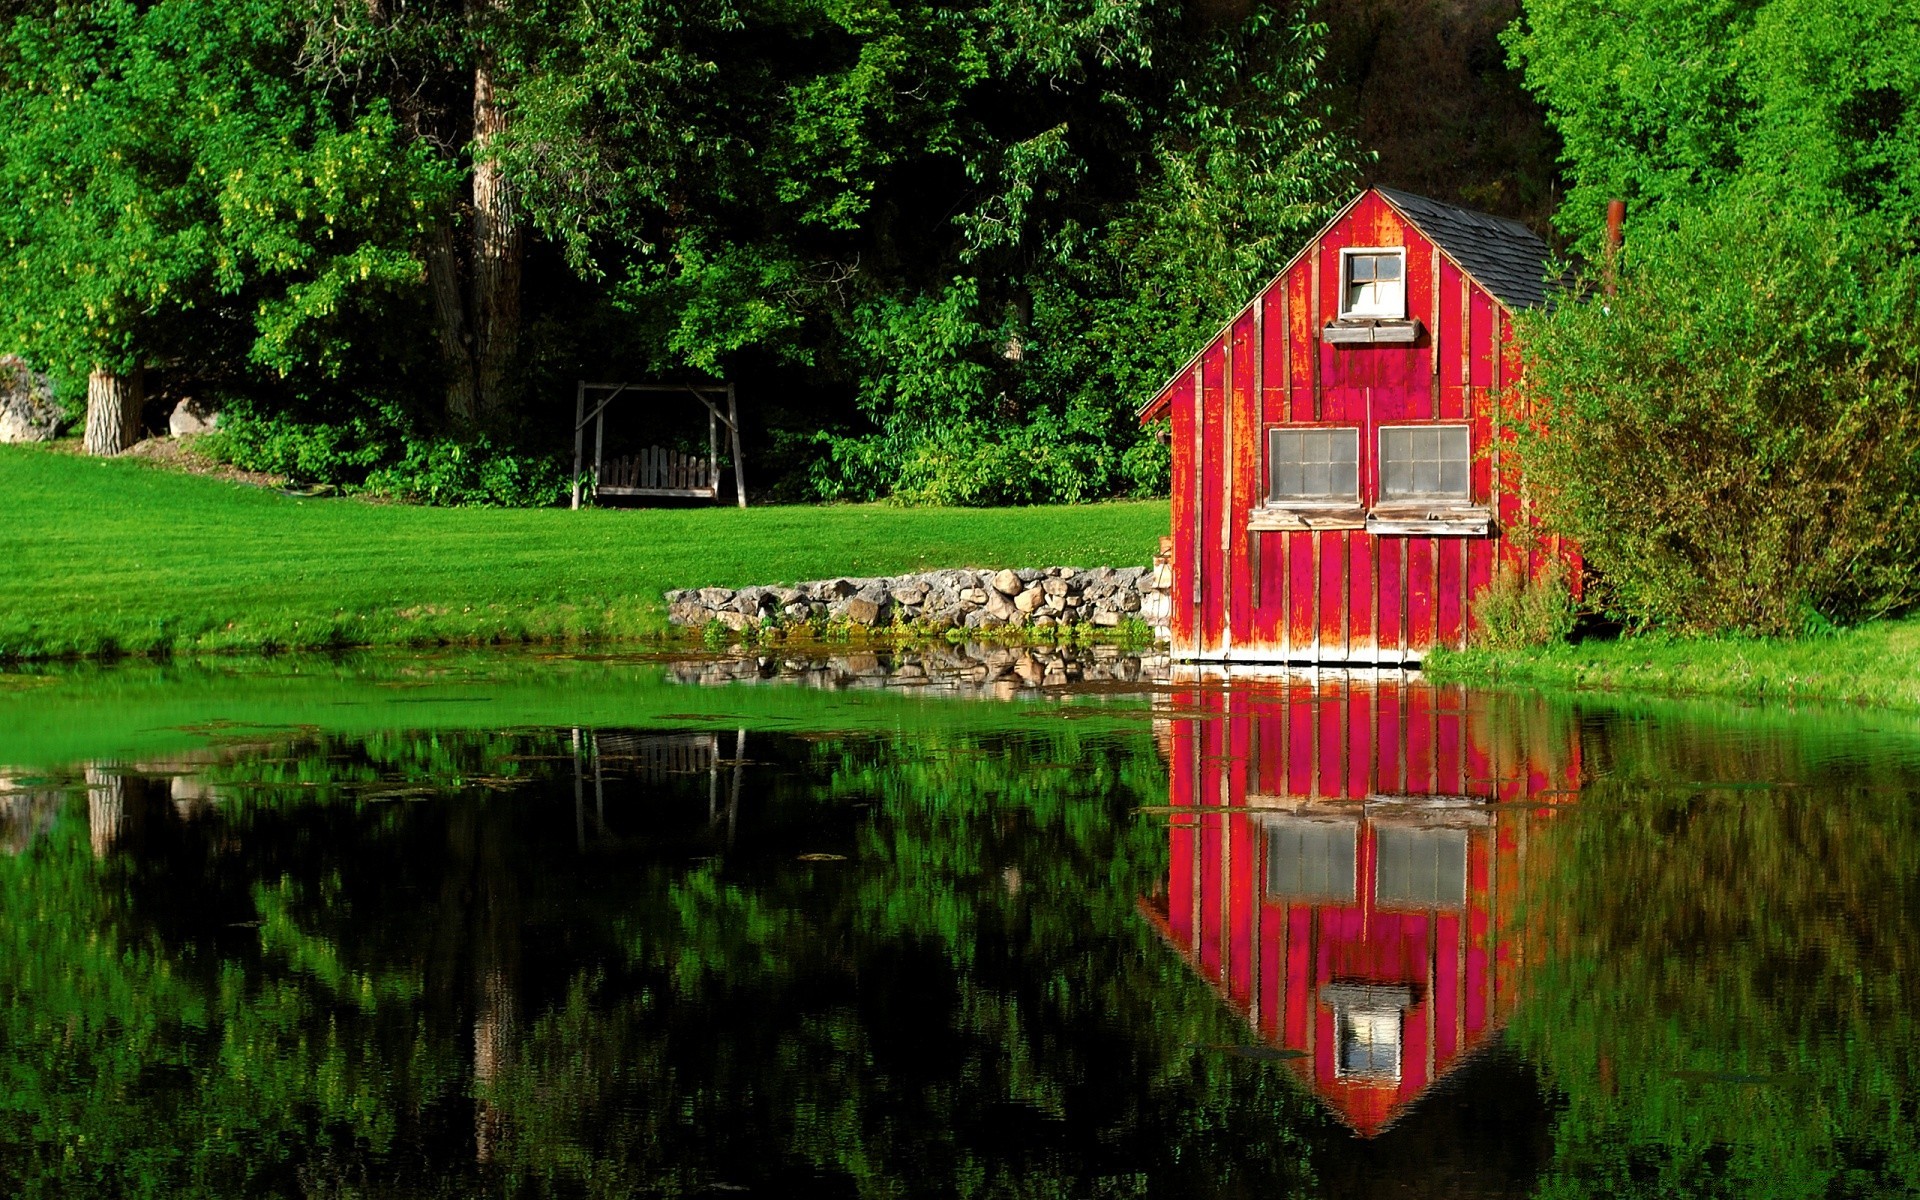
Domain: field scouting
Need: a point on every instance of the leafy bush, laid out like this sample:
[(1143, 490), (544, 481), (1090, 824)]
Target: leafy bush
[(383, 452), (1517, 611), (1734, 438)]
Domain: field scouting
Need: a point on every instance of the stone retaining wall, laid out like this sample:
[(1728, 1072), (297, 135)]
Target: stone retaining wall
[(1102, 597)]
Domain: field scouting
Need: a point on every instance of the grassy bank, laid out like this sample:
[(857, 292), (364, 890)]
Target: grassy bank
[(101, 556), (1872, 664)]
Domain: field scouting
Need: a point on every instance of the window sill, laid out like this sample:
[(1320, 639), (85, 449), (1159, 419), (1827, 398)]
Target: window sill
[(1371, 331), (1430, 520), (1307, 517)]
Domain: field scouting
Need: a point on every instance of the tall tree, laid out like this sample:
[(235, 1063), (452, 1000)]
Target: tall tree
[(173, 197), (445, 68)]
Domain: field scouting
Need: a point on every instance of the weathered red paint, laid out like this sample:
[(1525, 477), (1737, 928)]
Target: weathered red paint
[(1341, 595), (1371, 762)]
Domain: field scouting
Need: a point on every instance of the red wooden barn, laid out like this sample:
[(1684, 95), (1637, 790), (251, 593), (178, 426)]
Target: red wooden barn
[(1338, 490), (1346, 868)]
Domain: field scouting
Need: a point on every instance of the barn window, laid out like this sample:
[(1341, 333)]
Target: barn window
[(1373, 283), (1424, 462), (1313, 464)]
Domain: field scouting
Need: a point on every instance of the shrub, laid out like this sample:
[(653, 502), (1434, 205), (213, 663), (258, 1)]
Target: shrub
[(1734, 438), (381, 451), (1517, 611)]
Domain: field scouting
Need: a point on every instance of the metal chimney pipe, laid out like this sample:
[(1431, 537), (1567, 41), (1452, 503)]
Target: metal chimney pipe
[(1616, 221)]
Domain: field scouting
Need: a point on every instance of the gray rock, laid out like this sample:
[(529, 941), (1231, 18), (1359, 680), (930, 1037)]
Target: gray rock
[(733, 620), (193, 416), (841, 587), (716, 597), (862, 611), (1106, 617), (1056, 586), (999, 605), (27, 409), (684, 613)]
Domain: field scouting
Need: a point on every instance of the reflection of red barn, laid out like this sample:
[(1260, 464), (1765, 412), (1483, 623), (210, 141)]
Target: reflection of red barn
[(1343, 481), (1349, 877)]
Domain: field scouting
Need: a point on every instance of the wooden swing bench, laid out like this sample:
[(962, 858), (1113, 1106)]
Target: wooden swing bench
[(656, 470)]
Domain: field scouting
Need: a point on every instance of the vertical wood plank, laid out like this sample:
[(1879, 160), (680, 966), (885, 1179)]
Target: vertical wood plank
[(1230, 384), (1314, 298), (1433, 339), (1286, 346)]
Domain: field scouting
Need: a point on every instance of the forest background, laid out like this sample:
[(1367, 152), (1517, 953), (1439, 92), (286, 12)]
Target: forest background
[(945, 250)]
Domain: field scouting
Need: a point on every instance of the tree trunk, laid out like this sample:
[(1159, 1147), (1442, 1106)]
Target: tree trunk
[(450, 309), (497, 243), (113, 410)]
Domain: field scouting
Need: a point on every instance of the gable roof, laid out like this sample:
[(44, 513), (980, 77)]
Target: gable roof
[(1501, 255)]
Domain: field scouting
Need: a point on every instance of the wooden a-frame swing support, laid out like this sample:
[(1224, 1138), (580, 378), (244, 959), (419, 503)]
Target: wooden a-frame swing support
[(656, 471)]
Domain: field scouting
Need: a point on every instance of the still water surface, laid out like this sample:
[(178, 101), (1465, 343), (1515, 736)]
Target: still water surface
[(417, 927)]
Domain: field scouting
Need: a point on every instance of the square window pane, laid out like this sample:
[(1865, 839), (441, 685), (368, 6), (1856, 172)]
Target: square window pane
[(1313, 464), (1420, 462), (1361, 266), (1387, 266)]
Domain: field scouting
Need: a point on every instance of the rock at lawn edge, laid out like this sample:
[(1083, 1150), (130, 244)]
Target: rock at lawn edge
[(27, 409)]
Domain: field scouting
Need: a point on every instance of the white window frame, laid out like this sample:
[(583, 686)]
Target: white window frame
[(1326, 499), (1380, 466), (1390, 312)]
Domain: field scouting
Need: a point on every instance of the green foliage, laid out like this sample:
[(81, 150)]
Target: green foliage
[(1517, 611), (1667, 105), (382, 452), (998, 228), (1734, 439), (172, 189)]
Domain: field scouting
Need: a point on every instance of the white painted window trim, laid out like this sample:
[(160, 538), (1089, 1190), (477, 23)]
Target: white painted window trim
[(1390, 313)]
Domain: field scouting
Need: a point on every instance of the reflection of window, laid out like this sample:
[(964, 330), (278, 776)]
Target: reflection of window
[(1370, 1043), (1367, 1024), (1310, 860), (1314, 464), (1373, 283), (1424, 462), (1419, 868)]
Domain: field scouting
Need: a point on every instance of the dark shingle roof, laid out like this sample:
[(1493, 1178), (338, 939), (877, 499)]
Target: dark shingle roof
[(1502, 256)]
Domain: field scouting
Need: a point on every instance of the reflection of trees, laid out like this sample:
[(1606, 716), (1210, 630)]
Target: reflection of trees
[(1724, 997), (333, 984)]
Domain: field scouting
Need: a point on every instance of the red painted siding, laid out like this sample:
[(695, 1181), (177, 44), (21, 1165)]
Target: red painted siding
[(1340, 595)]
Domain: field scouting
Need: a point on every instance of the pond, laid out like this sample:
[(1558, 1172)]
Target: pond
[(974, 923)]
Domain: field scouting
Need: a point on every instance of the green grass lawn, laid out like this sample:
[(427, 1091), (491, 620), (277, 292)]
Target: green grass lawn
[(98, 556), (1877, 663)]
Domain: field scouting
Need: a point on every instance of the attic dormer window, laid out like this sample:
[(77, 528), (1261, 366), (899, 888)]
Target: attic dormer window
[(1373, 283)]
